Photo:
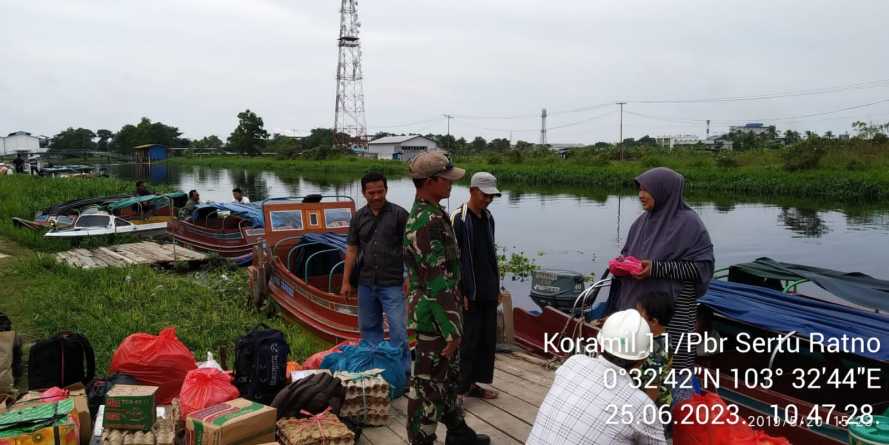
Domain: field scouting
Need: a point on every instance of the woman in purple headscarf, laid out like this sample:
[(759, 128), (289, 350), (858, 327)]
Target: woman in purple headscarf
[(676, 253)]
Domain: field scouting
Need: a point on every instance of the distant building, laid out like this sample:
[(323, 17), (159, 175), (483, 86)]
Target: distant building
[(19, 142), (720, 142), (148, 153), (679, 139), (398, 147), (755, 129)]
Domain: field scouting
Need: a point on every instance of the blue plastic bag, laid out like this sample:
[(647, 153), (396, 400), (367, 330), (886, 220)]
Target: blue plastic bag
[(366, 356)]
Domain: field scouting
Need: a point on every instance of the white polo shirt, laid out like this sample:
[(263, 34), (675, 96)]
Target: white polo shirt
[(578, 409)]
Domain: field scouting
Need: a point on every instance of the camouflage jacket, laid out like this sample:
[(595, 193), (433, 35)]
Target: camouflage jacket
[(433, 266), (659, 362)]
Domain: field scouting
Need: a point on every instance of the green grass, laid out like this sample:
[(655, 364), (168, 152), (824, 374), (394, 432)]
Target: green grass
[(23, 195), (845, 172), (207, 308)]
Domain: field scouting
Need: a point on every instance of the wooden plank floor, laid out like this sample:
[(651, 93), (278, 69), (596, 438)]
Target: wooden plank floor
[(508, 419), (120, 255)]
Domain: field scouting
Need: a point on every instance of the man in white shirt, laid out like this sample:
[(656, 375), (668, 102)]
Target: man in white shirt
[(240, 196), (593, 401)]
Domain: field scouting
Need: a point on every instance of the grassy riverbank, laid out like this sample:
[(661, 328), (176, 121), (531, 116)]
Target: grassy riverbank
[(42, 297), (208, 308), (848, 173), (23, 195)]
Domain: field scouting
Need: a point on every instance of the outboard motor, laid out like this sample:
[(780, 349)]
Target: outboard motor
[(556, 288)]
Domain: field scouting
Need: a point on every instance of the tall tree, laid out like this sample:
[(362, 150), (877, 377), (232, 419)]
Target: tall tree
[(211, 141), (791, 137), (249, 137), (71, 138), (104, 138), (146, 132), (499, 144), (478, 144)]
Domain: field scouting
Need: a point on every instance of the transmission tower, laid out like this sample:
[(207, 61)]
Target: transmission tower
[(543, 127), (350, 125)]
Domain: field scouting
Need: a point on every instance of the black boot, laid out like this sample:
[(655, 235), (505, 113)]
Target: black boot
[(459, 433)]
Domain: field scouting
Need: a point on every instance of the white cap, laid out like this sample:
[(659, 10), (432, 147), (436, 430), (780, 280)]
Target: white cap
[(626, 335), (485, 182)]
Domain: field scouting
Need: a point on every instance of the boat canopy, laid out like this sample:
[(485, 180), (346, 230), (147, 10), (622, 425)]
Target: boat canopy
[(328, 239), (124, 203), (854, 287), (75, 204), (780, 312), (252, 213)]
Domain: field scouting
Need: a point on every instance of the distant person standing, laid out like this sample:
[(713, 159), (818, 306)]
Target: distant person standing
[(19, 163), (479, 284), (239, 196), (34, 164), (141, 190), (374, 253)]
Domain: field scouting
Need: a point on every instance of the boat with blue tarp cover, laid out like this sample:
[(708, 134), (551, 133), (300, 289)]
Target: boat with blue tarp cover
[(228, 229), (823, 355)]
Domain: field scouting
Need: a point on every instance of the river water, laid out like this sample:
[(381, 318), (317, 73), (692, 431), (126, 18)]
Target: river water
[(580, 229)]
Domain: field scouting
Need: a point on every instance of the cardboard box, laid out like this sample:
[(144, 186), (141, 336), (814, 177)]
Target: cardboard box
[(63, 431), (238, 421), (130, 407), (77, 393)]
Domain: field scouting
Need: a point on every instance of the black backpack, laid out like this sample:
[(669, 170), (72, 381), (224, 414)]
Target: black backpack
[(98, 389), (261, 364), (6, 326), (60, 361)]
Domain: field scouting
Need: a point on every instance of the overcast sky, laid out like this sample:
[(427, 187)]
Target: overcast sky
[(195, 64)]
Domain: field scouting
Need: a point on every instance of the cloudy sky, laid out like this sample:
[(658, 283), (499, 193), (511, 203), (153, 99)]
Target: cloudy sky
[(494, 64)]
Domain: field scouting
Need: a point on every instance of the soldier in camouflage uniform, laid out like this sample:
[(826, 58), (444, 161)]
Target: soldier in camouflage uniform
[(436, 307)]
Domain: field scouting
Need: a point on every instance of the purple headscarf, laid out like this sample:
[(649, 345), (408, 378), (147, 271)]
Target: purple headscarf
[(672, 231)]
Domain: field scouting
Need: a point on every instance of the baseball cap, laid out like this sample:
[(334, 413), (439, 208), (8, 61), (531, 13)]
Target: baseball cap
[(434, 163), (485, 182)]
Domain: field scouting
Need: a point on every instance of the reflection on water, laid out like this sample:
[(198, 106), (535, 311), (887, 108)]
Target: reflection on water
[(581, 228)]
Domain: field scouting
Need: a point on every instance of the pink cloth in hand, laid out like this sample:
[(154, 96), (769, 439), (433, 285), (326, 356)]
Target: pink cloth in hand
[(624, 266)]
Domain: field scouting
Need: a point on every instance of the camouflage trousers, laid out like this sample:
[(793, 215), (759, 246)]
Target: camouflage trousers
[(432, 396)]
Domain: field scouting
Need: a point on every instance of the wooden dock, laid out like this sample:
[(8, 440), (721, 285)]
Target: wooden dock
[(507, 419), (121, 255)]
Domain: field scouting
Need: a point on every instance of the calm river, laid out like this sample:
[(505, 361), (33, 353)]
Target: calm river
[(580, 230)]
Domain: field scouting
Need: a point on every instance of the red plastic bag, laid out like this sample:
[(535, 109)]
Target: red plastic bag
[(625, 265), (161, 361), (761, 438), (314, 362), (706, 420), (206, 387)]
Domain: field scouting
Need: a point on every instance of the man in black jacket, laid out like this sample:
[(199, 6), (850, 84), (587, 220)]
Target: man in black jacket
[(480, 285)]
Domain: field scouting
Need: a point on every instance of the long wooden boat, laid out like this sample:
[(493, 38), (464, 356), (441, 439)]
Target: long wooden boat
[(797, 380), (230, 230)]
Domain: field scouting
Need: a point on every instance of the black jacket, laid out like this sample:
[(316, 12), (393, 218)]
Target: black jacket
[(463, 228)]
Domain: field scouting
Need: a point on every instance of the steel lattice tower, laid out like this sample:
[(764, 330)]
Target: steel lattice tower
[(350, 125)]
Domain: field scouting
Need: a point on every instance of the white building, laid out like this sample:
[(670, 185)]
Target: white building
[(20, 141), (679, 139), (755, 129), (400, 147)]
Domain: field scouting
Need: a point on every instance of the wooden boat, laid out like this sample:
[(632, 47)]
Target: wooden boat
[(230, 230), (730, 309), (303, 278), (64, 214), (143, 215)]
